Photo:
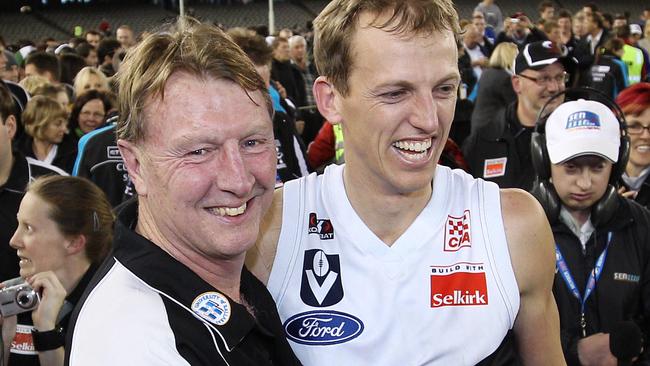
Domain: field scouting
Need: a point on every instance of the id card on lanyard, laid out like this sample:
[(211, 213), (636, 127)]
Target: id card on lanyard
[(562, 267)]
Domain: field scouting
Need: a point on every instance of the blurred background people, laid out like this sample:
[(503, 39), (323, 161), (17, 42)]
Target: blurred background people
[(635, 103), (89, 112), (47, 139)]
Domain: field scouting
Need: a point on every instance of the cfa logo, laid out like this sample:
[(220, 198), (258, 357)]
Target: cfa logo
[(460, 284), (322, 227), (457, 232)]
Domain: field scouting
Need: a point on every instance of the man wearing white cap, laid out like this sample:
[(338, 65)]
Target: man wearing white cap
[(601, 285)]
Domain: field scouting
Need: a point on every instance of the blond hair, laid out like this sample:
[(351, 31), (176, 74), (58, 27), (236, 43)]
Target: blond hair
[(39, 112), (335, 26), (503, 56), (33, 82), (199, 49), (83, 77)]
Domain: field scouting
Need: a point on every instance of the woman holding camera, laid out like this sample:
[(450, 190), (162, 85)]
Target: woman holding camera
[(65, 227)]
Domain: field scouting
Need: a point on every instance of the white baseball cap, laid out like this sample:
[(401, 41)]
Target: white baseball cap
[(582, 127)]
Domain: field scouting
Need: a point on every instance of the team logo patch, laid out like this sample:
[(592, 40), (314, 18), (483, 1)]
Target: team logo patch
[(213, 307), (321, 279), (583, 120), (322, 328), (459, 284), (493, 168), (322, 227), (112, 152), (457, 232)]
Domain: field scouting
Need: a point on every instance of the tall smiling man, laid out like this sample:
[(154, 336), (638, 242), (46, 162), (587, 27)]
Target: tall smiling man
[(391, 259)]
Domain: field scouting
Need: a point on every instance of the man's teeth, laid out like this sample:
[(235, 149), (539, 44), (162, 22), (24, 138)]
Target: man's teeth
[(643, 148), (229, 211), (413, 146)]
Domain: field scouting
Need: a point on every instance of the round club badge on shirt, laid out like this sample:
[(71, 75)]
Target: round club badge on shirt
[(213, 307)]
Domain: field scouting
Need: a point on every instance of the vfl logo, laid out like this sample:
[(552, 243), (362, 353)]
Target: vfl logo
[(322, 227), (583, 120), (460, 284), (213, 307), (321, 279), (457, 232), (322, 328)]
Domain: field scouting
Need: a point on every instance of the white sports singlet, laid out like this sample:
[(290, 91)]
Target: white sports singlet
[(443, 294)]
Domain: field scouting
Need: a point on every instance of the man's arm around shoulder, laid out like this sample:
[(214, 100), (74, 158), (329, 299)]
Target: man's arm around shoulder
[(530, 242), (259, 259)]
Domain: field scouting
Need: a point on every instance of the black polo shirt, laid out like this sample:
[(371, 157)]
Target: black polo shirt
[(151, 299)]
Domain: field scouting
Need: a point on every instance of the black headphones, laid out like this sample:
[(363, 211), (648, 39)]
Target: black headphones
[(544, 190)]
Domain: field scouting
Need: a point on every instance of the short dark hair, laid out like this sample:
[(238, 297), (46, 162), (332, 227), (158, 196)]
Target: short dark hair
[(70, 64), (107, 47), (93, 32), (564, 14), (44, 61), (545, 4), (7, 104), (253, 45), (83, 49)]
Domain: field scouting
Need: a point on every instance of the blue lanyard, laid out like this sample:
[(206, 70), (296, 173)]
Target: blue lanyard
[(591, 282)]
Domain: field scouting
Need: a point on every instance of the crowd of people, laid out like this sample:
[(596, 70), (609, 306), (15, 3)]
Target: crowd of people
[(345, 194)]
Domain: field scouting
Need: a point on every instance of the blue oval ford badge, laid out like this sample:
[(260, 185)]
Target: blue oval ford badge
[(322, 328)]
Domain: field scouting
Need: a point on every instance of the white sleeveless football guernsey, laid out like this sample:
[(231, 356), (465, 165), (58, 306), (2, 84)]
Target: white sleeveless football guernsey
[(443, 294)]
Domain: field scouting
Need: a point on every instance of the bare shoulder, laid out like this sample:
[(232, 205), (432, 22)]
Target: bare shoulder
[(259, 259), (530, 240)]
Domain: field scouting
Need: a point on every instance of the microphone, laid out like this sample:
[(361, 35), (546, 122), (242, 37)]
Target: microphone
[(625, 342)]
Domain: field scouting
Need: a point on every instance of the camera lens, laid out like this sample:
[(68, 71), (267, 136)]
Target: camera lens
[(26, 298)]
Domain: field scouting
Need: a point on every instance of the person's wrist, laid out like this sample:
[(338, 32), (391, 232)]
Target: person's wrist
[(48, 340)]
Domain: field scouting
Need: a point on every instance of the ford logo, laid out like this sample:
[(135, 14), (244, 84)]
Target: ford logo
[(322, 328)]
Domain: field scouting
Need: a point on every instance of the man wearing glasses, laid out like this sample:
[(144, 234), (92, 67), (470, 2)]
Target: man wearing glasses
[(499, 150)]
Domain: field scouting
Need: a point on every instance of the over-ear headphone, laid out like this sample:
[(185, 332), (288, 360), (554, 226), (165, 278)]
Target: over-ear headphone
[(544, 190)]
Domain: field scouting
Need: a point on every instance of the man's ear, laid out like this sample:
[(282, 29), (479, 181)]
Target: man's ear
[(132, 160), (516, 83), (326, 100), (11, 124)]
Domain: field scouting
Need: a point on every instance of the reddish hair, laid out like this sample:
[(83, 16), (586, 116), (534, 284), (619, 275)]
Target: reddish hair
[(634, 99)]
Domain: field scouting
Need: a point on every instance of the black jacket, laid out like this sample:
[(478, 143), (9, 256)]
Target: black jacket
[(499, 151), (643, 197), (623, 291), (100, 160), (65, 155)]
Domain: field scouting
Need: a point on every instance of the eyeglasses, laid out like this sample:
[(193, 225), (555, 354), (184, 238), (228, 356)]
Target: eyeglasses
[(637, 129), (545, 80), (91, 114)]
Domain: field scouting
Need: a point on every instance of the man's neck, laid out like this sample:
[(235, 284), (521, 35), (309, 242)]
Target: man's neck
[(302, 64), (222, 274), (526, 118), (595, 33), (387, 214), (6, 164)]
